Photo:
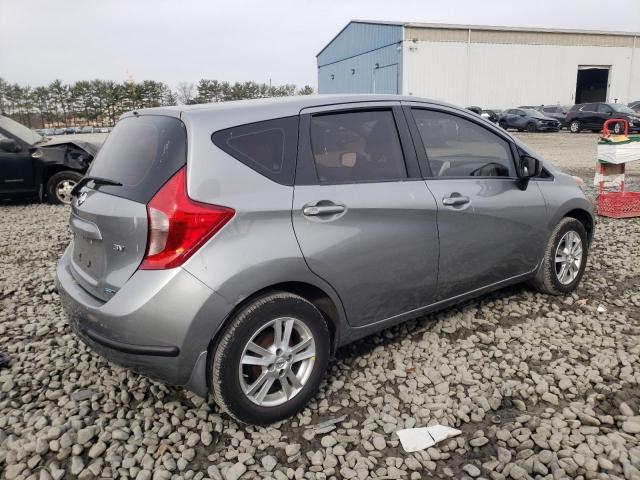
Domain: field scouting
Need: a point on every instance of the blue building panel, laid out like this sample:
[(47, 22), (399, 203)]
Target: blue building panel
[(362, 58), (379, 71)]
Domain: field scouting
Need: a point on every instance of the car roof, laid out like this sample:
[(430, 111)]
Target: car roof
[(280, 106)]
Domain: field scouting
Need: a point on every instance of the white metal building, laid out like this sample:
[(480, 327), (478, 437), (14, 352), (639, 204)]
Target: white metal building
[(493, 67)]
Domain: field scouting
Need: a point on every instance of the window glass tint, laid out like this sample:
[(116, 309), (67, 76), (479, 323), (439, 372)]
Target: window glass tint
[(267, 147), (142, 152), (457, 147), (589, 107), (360, 146), (602, 108)]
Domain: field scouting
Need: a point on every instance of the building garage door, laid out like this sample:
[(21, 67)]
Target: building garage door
[(592, 83)]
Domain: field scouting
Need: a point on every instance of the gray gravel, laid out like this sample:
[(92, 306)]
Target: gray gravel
[(541, 387)]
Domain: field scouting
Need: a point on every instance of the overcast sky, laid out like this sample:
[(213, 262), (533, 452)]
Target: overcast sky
[(186, 40)]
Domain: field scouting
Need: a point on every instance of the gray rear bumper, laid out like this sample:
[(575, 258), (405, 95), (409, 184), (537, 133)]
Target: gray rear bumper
[(159, 323)]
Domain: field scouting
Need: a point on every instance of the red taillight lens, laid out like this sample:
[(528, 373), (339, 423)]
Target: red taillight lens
[(178, 226)]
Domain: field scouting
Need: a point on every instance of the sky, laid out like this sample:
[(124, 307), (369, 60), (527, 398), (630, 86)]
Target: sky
[(186, 40)]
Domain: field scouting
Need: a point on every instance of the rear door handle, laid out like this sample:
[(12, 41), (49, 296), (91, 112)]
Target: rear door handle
[(319, 210), (455, 201)]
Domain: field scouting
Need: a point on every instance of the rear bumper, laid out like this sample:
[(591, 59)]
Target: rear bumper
[(159, 323)]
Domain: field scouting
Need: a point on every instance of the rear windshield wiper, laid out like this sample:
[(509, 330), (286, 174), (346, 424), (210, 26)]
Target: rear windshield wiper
[(96, 181)]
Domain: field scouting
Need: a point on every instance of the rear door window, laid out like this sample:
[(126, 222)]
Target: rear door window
[(142, 152), (268, 147), (457, 147), (357, 146)]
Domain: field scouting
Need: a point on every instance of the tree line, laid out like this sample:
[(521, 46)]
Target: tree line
[(101, 102)]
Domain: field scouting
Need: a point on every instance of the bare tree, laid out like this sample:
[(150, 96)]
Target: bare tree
[(186, 93)]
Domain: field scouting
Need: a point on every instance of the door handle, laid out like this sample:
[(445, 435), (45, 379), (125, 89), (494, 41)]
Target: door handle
[(319, 210), (455, 201)]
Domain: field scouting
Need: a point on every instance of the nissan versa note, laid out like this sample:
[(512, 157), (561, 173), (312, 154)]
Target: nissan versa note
[(232, 248)]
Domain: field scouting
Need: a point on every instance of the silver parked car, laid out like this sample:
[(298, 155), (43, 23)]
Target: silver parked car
[(232, 248)]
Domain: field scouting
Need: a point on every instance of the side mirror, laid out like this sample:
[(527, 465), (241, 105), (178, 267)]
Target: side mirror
[(9, 145), (528, 167)]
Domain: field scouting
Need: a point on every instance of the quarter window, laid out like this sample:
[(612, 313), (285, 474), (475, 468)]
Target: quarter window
[(268, 147), (457, 147), (360, 146)]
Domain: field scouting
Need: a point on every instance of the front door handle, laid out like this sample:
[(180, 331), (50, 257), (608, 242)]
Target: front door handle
[(455, 201), (319, 210)]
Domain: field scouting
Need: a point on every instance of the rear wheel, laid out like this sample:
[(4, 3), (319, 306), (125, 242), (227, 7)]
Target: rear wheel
[(565, 258), (271, 359), (60, 185), (502, 124), (531, 127), (575, 126)]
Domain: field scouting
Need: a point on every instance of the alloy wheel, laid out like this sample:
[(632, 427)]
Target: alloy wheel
[(63, 190), (568, 258), (574, 126), (277, 362)]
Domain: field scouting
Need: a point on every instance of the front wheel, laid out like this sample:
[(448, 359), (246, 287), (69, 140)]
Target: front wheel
[(271, 359), (503, 124), (531, 127), (574, 126), (564, 260), (60, 185)]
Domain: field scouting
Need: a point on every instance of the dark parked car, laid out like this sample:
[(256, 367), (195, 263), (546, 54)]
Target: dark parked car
[(557, 112), (635, 106), (33, 165), (591, 116), (528, 119)]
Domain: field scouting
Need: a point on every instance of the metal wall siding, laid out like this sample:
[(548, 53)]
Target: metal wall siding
[(436, 34), (550, 38), (516, 37), (362, 80), (508, 75), (359, 38)]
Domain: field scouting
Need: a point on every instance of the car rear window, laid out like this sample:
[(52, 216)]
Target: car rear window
[(142, 152), (269, 147)]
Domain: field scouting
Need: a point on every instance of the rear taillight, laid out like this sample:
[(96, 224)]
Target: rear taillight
[(178, 226)]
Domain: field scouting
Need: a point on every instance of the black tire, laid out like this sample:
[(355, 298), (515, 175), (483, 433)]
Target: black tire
[(531, 127), (224, 362), (546, 279), (575, 126), (618, 129), (59, 180), (503, 124)]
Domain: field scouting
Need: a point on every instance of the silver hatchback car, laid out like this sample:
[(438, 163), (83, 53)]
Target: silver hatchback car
[(232, 248)]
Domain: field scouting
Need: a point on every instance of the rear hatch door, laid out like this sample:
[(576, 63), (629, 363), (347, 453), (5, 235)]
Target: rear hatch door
[(109, 222)]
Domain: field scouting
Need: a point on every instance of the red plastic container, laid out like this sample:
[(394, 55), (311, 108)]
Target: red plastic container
[(619, 204)]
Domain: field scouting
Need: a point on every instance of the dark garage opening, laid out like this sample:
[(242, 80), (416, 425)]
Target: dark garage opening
[(592, 84)]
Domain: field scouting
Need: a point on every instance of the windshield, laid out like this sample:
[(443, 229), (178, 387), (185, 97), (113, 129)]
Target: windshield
[(20, 131), (533, 113), (621, 108)]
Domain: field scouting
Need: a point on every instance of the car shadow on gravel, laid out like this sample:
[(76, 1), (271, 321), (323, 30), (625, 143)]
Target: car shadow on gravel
[(392, 336)]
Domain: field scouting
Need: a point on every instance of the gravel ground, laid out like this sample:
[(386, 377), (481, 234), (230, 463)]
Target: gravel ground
[(541, 387)]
